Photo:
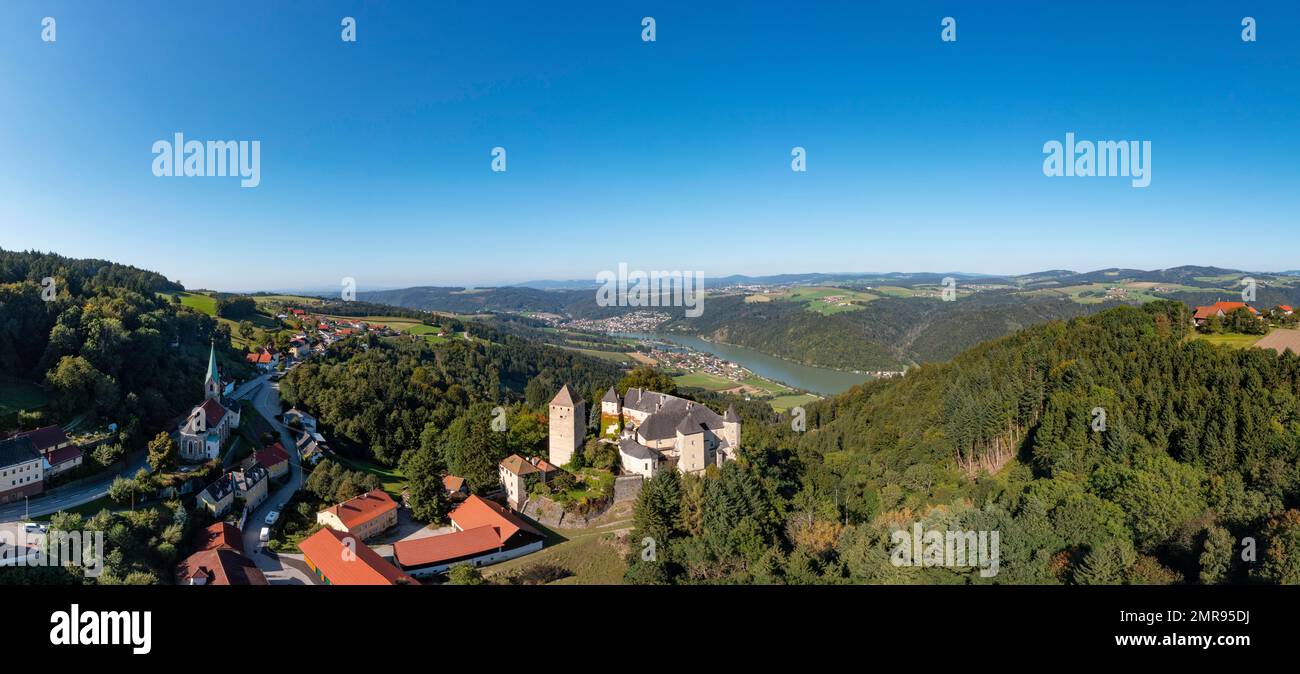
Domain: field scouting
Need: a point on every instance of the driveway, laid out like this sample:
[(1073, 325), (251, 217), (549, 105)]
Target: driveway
[(285, 568)]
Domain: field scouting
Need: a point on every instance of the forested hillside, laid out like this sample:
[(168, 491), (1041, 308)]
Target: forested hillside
[(886, 334), (106, 346), (1196, 465)]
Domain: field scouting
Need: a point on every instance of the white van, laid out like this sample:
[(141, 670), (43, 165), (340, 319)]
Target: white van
[(266, 534)]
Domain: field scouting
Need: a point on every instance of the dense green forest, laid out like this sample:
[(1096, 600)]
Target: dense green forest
[(106, 345), (885, 334), (1193, 479)]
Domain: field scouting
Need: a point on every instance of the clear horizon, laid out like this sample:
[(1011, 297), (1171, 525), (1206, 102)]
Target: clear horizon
[(675, 154)]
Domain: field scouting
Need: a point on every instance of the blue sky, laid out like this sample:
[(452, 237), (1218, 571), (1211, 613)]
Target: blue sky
[(375, 161)]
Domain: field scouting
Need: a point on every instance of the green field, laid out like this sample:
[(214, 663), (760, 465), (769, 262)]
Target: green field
[(391, 479), (1233, 340), (203, 303), (591, 556), (814, 299), (705, 381), (783, 403), (16, 395)]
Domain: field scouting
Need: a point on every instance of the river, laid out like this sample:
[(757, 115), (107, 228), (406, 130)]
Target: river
[(815, 379)]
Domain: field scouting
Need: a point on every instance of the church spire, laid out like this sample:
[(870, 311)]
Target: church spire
[(211, 382)]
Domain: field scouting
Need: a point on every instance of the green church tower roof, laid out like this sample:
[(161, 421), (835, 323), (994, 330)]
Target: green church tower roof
[(212, 364)]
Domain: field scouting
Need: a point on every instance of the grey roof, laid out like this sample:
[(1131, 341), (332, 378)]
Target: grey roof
[(696, 421), (731, 414), (611, 396), (564, 397), (251, 476), (636, 450), (221, 488), (17, 450), (646, 401)]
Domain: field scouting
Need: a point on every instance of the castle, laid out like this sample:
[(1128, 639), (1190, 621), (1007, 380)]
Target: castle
[(209, 424), (659, 431)]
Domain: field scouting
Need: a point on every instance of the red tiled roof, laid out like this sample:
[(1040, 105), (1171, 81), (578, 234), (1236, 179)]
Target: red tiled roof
[(219, 567), (327, 551), (1225, 307), (363, 508), (214, 411), (477, 512), (1284, 307), (46, 438), (220, 536), (58, 456), (446, 547), (452, 483), (270, 456)]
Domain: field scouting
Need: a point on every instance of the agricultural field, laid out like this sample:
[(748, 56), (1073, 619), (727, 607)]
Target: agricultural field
[(1233, 340), (827, 300), (784, 403), (1280, 340), (704, 380)]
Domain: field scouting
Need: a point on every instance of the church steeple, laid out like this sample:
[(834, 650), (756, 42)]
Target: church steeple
[(212, 382)]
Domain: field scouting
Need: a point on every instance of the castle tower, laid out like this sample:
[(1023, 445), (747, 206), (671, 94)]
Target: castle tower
[(568, 420), (610, 405), (211, 381), (731, 427)]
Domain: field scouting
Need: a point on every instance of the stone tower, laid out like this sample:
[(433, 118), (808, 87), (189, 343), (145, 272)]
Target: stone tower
[(568, 419), (731, 427), (211, 381)]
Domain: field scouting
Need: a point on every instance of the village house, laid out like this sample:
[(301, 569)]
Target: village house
[(219, 496), (485, 533), (60, 453), (202, 434), (251, 485), (1221, 311), (454, 487), (363, 516), (339, 558), (274, 459), (518, 475), (219, 560), (22, 471), (296, 418), (263, 358)]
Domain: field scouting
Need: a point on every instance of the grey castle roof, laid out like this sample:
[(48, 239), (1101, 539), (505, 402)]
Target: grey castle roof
[(636, 450), (17, 450), (671, 412), (565, 397), (731, 414), (611, 396), (698, 420)]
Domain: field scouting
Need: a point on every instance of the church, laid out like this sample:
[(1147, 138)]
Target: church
[(660, 431), (208, 426)]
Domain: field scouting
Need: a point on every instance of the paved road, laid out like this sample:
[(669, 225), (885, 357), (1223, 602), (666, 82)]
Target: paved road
[(284, 568), (62, 498)]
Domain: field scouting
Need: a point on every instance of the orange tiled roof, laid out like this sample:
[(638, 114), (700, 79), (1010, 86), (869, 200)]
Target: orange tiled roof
[(477, 512), (363, 508), (446, 547), (344, 560)]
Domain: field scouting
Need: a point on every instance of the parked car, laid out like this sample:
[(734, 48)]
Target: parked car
[(271, 517), (32, 527), (266, 535)]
